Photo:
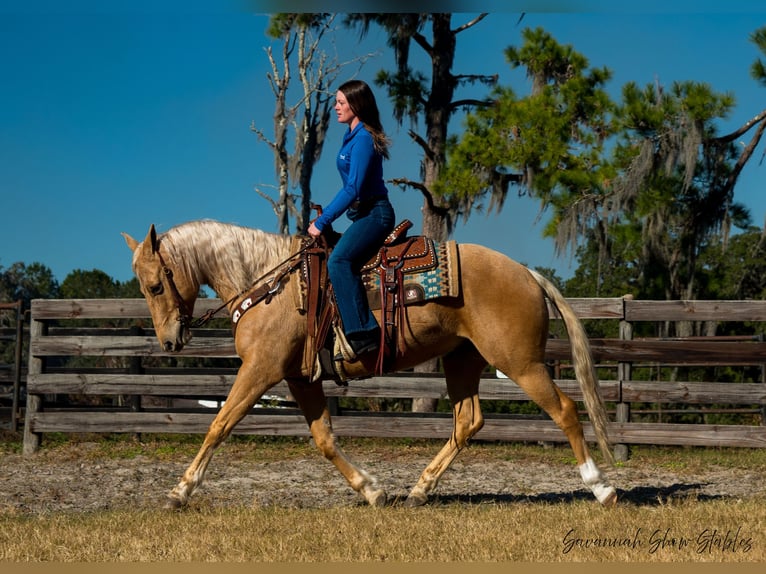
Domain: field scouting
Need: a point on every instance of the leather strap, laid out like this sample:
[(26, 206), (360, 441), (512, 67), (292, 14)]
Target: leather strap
[(392, 310), (320, 308), (263, 292)]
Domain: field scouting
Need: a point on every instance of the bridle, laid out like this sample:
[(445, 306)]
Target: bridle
[(184, 314), (265, 291)]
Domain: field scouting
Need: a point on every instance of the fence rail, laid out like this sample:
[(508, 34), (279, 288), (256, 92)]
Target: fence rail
[(128, 375)]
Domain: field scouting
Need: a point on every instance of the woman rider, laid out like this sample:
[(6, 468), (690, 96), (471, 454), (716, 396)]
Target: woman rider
[(364, 199)]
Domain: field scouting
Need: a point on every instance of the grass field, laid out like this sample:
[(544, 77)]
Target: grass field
[(579, 531), (686, 529)]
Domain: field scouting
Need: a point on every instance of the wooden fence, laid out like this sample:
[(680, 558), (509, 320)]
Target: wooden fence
[(139, 380), (11, 343)]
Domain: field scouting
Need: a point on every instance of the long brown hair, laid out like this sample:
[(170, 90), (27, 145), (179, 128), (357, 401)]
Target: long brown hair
[(362, 102)]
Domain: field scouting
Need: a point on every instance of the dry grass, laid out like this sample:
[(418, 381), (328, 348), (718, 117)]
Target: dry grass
[(677, 530), (577, 531)]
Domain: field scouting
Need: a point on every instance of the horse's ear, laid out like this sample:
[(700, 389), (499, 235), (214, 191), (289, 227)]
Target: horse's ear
[(132, 243), (151, 239)]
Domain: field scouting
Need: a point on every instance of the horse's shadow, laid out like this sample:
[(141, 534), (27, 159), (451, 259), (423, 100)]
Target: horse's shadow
[(639, 496)]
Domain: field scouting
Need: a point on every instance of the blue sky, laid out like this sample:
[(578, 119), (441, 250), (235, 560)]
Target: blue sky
[(117, 116)]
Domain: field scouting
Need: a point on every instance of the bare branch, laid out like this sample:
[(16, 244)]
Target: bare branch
[(423, 145), (469, 102), (423, 43), (743, 130), (306, 53), (307, 118), (267, 197), (407, 182), (481, 78), (262, 136), (424, 191), (277, 81), (745, 157), (272, 76), (472, 23)]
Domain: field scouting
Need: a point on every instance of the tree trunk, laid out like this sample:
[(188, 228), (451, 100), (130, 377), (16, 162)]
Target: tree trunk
[(438, 110), (434, 226)]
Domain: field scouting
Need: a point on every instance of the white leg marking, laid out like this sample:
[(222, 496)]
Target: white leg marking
[(592, 477), (369, 488)]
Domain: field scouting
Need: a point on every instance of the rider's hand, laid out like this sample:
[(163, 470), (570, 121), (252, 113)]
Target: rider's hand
[(313, 231)]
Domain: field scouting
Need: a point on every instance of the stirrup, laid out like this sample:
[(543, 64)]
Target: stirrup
[(356, 353)]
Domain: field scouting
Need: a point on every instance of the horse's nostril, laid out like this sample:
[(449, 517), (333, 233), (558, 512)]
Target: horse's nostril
[(168, 346)]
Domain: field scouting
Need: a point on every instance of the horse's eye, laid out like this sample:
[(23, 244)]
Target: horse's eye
[(156, 289)]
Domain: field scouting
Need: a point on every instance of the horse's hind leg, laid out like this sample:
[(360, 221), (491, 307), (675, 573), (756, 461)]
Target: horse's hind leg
[(312, 401), (536, 382), (462, 369)]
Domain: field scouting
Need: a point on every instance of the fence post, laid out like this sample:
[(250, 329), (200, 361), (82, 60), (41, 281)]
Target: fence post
[(136, 368), (36, 366), (621, 451)]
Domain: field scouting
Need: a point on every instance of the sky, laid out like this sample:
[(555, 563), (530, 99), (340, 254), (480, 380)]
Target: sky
[(115, 116)]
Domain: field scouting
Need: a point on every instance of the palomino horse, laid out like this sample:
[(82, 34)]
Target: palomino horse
[(500, 318)]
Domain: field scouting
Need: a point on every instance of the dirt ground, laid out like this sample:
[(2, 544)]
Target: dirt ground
[(77, 479)]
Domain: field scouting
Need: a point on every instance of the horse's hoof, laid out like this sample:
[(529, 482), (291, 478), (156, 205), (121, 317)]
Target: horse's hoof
[(172, 503), (611, 500), (377, 498), (414, 500)]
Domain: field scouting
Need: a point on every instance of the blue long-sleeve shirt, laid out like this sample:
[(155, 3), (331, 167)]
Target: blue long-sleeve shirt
[(361, 170)]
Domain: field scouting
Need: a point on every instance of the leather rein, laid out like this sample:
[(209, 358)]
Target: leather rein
[(257, 294)]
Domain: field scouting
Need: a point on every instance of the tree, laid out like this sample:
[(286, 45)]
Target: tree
[(93, 284), (301, 36), (758, 122), (23, 282), (415, 96), (649, 173), (737, 271), (621, 277), (130, 289), (549, 144), (26, 282), (680, 174), (675, 179)]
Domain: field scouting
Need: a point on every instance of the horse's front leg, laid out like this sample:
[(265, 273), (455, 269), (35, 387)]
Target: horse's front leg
[(244, 393), (312, 401)]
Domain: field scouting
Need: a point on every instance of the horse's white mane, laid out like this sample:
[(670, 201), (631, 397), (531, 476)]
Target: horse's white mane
[(210, 250)]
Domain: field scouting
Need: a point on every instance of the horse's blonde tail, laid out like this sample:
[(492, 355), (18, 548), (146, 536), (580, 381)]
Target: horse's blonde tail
[(585, 371)]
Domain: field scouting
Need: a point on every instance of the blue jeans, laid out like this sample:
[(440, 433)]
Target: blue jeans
[(371, 224)]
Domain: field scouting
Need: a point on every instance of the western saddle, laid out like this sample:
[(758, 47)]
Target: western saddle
[(399, 255)]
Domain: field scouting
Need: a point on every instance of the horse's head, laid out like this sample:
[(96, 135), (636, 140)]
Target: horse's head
[(169, 293)]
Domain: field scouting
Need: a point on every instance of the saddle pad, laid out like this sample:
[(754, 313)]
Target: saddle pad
[(441, 280)]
